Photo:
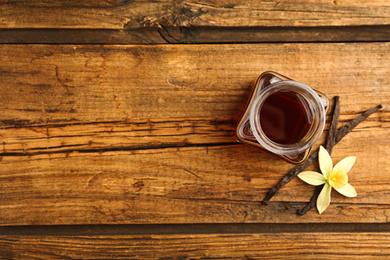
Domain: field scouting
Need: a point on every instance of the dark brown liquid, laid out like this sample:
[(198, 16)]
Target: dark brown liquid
[(284, 117)]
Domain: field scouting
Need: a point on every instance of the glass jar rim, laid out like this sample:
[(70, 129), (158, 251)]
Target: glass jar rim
[(315, 105)]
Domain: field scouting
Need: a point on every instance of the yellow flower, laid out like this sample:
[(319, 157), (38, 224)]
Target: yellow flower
[(332, 177)]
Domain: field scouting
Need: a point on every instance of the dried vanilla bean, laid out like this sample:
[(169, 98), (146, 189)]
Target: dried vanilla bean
[(314, 156), (330, 142)]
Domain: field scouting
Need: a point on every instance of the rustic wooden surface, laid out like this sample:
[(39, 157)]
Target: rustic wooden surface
[(129, 147), (126, 134), (120, 14), (215, 246), (167, 21)]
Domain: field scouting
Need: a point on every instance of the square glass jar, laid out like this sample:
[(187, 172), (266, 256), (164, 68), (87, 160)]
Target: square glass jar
[(282, 117)]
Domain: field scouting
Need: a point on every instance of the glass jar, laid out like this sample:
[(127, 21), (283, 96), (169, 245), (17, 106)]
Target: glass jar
[(282, 117)]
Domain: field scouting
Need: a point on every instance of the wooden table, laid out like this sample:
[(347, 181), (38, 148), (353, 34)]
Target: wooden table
[(116, 122)]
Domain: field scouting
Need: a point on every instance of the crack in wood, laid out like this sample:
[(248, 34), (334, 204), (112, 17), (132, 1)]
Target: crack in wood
[(190, 172), (61, 81), (198, 228), (163, 34), (117, 149)]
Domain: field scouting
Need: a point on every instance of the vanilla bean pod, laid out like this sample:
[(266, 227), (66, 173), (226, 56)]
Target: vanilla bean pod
[(314, 156), (330, 143), (354, 122)]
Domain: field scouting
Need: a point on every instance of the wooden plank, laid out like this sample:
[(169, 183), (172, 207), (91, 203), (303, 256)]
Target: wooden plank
[(133, 14), (232, 246), (66, 83), (141, 134), (177, 185)]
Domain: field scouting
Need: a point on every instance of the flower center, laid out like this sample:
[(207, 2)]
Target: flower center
[(338, 179)]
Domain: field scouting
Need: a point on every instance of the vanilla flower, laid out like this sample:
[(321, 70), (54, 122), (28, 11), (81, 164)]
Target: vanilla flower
[(332, 177)]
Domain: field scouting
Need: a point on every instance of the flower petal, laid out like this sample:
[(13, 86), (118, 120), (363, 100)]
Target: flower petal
[(345, 164), (312, 178), (323, 200), (338, 179), (326, 164), (348, 191)]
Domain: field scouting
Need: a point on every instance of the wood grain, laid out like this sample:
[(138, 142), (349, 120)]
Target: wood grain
[(126, 152), (232, 246), (142, 134), (91, 83), (118, 14)]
